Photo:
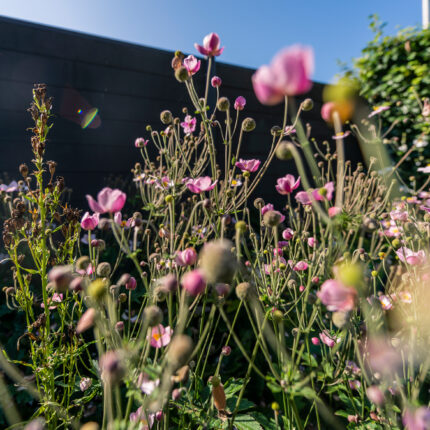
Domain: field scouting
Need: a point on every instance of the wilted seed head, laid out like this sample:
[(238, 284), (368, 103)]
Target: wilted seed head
[(104, 269), (159, 294), (97, 289), (283, 152), (179, 351), (241, 227), (166, 117), (181, 74), (248, 124), (153, 315), (244, 291), (23, 169), (111, 367), (307, 104), (82, 263), (272, 218), (340, 319), (258, 203), (217, 262)]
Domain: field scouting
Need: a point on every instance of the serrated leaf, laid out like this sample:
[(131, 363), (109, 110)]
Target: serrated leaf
[(246, 422)]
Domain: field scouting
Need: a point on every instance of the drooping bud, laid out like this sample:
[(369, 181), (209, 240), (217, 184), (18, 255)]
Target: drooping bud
[(248, 124), (307, 105), (166, 117), (181, 74), (272, 218), (283, 152), (223, 104), (217, 261), (104, 270), (179, 351), (244, 290)]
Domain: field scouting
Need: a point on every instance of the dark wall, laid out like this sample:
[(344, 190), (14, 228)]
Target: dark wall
[(128, 84)]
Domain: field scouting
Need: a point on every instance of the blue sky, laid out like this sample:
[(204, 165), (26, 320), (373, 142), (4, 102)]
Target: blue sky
[(252, 31)]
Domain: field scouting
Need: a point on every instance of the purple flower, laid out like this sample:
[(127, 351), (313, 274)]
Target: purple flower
[(189, 124), (187, 257), (336, 297), (140, 142), (288, 234), (108, 200), (418, 419), (287, 184), (192, 64), (145, 419), (248, 165), (201, 185), (211, 46), (240, 103)]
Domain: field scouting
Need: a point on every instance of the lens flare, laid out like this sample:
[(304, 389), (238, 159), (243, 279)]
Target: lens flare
[(89, 117)]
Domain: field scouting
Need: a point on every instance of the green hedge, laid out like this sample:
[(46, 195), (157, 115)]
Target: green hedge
[(395, 71)]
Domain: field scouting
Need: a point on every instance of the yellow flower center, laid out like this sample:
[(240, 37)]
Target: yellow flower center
[(156, 336)]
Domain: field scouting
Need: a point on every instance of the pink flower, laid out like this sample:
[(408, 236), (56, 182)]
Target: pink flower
[(140, 142), (304, 198), (315, 341), (240, 103), (288, 75), (288, 234), (287, 184), (386, 302), (86, 321), (131, 283), (90, 222), (406, 255), (211, 46), (418, 419), (267, 208), (160, 336), (333, 211), (327, 339), (194, 282), (341, 135), (108, 200), (382, 356), (336, 297), (354, 385), (147, 385), (327, 111), (424, 169), (145, 419), (377, 110), (201, 185), (326, 192), (189, 124), (301, 266), (311, 242), (56, 298), (216, 81), (375, 395), (187, 257), (398, 215), (248, 165), (192, 64)]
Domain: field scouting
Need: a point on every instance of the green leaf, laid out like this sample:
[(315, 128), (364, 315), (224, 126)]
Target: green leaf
[(247, 422)]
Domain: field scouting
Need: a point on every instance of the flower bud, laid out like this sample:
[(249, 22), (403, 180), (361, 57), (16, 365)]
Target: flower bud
[(223, 104), (166, 117), (226, 350), (112, 370), (248, 124), (153, 315), (241, 227), (244, 290), (278, 316), (216, 81), (131, 284), (97, 289), (23, 169), (91, 425), (283, 152), (307, 105), (85, 383), (181, 74), (86, 321), (61, 277), (258, 203), (340, 319), (82, 263), (104, 270), (179, 351), (272, 218), (217, 262)]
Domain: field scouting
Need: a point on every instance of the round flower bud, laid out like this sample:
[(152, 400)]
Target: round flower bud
[(23, 169), (248, 124), (307, 105), (226, 350), (168, 198), (340, 319), (176, 394), (241, 226), (112, 370), (216, 81), (122, 298), (119, 326), (278, 316), (272, 218), (374, 273), (131, 284), (181, 74), (97, 289), (179, 351), (283, 152), (153, 315), (275, 130), (166, 117), (244, 291), (275, 406), (217, 262), (104, 270), (61, 277), (396, 243), (223, 104)]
